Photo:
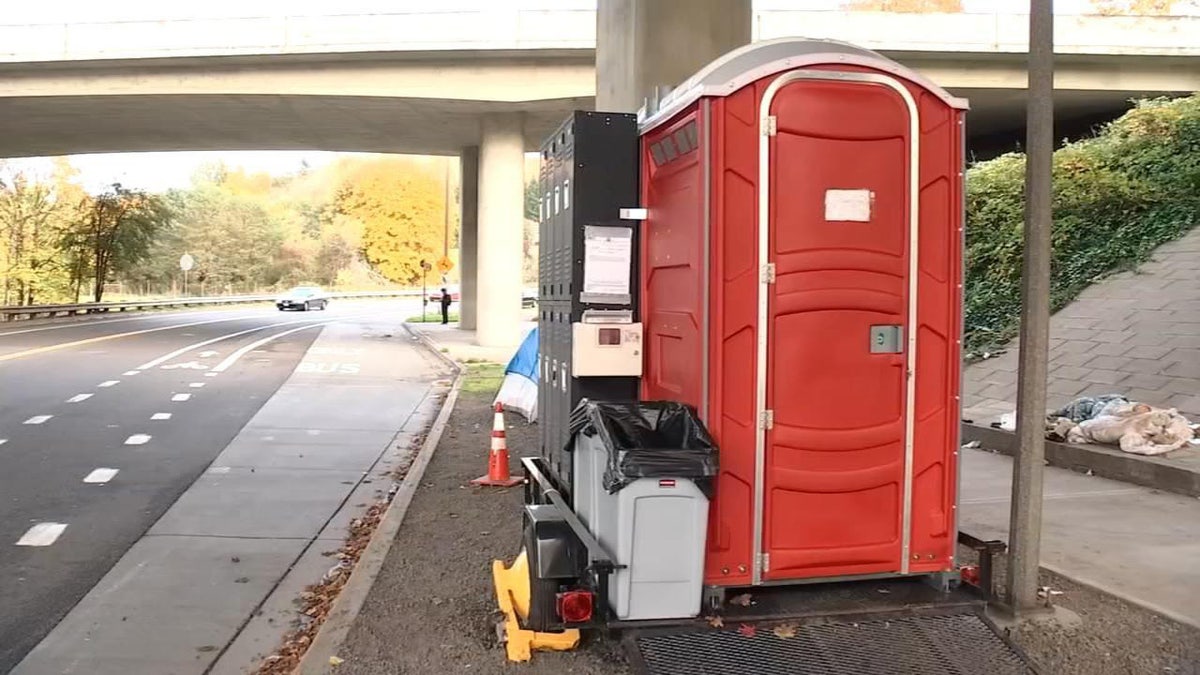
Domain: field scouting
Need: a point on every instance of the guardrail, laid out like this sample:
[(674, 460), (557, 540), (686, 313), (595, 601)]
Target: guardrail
[(16, 313)]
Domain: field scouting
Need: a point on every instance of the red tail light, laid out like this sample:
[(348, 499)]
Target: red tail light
[(575, 606)]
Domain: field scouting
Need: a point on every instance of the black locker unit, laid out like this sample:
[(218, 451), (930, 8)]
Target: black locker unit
[(589, 172)]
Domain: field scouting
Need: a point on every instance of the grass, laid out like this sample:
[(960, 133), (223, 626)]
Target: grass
[(482, 378), (432, 316)]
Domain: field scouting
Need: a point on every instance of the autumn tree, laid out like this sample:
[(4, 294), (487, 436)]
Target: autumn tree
[(401, 206), (35, 212), (117, 232), (905, 6), (1134, 7)]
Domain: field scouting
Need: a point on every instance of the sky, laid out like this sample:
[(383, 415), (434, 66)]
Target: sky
[(161, 171)]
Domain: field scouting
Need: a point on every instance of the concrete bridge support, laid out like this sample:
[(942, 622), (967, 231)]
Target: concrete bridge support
[(468, 237), (643, 44), (499, 244)]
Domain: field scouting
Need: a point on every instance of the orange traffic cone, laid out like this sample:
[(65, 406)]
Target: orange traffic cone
[(497, 474)]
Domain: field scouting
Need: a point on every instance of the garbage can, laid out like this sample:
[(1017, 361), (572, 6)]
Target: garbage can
[(642, 481)]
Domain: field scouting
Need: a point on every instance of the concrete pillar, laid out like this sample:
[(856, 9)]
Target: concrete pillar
[(643, 44), (467, 237), (501, 236)]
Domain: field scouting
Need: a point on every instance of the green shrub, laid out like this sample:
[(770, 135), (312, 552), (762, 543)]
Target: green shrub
[(1117, 196)]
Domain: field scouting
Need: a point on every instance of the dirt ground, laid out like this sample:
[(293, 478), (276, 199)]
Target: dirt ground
[(432, 609), (1113, 637)]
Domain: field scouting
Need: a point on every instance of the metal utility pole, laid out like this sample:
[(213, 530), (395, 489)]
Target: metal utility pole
[(1025, 523)]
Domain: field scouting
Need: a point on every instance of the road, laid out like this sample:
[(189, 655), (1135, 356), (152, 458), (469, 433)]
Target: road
[(104, 423)]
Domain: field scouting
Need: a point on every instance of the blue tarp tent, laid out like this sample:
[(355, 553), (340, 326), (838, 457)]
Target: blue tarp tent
[(519, 391)]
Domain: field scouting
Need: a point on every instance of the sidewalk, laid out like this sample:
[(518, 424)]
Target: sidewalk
[(1134, 542), (460, 345), (210, 588), (1135, 333)]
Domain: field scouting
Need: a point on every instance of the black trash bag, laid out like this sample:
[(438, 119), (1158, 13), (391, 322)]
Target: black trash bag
[(648, 439)]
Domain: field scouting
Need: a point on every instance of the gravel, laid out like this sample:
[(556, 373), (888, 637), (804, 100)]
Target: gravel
[(432, 609), (1112, 637)]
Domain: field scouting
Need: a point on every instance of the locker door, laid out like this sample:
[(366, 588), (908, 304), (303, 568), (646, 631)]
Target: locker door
[(835, 458)]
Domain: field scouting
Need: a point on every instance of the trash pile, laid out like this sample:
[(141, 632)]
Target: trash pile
[(1112, 419)]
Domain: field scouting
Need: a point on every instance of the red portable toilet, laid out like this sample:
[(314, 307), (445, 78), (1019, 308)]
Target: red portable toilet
[(801, 273)]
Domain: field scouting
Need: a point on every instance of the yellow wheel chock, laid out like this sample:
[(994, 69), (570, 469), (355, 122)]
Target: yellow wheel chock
[(512, 594)]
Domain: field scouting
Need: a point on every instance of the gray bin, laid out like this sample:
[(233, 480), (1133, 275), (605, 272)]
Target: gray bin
[(655, 526)]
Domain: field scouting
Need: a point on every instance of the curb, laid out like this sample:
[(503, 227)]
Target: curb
[(1151, 472), (332, 634), (1099, 587)]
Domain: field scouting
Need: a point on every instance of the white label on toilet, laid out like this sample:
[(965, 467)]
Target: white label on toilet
[(848, 205)]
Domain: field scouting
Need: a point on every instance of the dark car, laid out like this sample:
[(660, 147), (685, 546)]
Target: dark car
[(303, 298)]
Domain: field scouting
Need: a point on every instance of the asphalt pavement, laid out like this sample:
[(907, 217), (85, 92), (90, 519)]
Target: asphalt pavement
[(104, 423)]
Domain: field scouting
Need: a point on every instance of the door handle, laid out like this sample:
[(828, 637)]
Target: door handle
[(887, 339)]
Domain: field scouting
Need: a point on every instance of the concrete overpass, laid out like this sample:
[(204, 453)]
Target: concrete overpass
[(488, 84)]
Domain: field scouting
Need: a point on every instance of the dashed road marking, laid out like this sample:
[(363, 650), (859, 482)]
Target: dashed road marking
[(179, 398), (130, 373), (42, 534), (109, 383), (138, 439), (161, 416), (3, 441), (207, 353), (38, 419), (219, 469), (79, 398), (100, 476), (196, 385), (211, 374)]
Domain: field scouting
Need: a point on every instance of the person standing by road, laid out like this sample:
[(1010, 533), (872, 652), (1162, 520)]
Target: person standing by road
[(445, 306)]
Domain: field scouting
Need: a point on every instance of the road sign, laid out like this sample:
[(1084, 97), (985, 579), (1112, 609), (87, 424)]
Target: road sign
[(445, 265), (186, 262)]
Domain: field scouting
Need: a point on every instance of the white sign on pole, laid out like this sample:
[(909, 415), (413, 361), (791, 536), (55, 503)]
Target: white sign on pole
[(186, 262)]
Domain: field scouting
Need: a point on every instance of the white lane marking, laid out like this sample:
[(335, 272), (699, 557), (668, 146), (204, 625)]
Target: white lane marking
[(100, 476), (42, 534), (113, 336), (109, 383), (190, 365), (3, 441), (219, 469), (207, 353), (232, 358), (179, 398), (138, 439), (38, 419), (161, 416), (211, 374), (130, 373), (101, 322), (79, 398), (197, 385), (183, 350)]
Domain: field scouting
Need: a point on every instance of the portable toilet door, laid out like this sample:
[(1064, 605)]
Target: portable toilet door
[(837, 186), (858, 228)]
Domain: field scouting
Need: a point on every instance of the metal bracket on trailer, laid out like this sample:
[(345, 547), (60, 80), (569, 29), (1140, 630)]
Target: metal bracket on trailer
[(539, 489)]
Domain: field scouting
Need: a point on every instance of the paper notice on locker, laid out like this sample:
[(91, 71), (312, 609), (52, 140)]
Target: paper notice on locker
[(607, 263)]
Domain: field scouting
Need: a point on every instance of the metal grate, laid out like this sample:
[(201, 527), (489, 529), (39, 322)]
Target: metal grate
[(943, 644)]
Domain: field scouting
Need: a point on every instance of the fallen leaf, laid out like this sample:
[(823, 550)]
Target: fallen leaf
[(335, 661), (742, 600), (785, 631), (747, 630), (715, 621)]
